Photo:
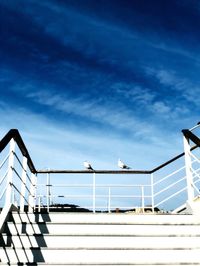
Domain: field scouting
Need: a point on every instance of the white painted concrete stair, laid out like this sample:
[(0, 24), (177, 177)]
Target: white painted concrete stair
[(101, 239)]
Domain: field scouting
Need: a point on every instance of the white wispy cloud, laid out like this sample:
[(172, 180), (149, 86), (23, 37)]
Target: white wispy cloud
[(148, 99), (185, 88), (104, 113), (134, 93)]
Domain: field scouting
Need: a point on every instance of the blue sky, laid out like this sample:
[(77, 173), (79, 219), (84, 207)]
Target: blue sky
[(99, 80)]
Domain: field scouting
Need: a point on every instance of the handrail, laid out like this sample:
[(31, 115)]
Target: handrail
[(129, 171), (14, 133), (51, 171)]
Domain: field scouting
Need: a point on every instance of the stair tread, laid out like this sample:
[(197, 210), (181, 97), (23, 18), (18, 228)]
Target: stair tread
[(101, 248), (108, 229), (97, 264), (101, 239), (107, 257), (108, 218)]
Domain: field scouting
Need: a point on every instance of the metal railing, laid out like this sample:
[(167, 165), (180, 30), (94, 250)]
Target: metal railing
[(157, 188), (17, 176), (165, 187), (102, 192)]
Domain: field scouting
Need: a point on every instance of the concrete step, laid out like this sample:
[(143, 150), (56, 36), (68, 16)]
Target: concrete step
[(96, 264), (104, 242), (104, 229), (101, 239), (101, 257), (112, 218)]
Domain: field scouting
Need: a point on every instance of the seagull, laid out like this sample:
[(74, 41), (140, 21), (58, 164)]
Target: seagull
[(87, 165), (122, 165)]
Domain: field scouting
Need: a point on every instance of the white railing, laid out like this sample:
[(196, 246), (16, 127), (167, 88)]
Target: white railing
[(17, 180), (95, 196), (155, 190), (164, 188)]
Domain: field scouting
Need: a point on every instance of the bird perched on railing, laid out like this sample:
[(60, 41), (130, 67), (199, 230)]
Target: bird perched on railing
[(122, 165), (87, 165)]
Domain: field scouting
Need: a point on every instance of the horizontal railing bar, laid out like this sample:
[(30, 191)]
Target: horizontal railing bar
[(97, 196), (97, 186), (49, 171)]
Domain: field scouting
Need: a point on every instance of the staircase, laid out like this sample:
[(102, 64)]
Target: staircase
[(30, 236), (58, 238)]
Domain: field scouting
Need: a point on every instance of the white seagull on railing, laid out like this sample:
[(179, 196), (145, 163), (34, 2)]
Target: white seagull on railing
[(87, 165), (122, 165)]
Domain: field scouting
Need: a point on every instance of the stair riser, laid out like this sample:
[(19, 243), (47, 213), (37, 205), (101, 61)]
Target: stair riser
[(112, 257), (109, 230), (81, 242)]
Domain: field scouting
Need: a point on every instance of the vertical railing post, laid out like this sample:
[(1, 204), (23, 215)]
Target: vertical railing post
[(48, 192), (32, 193), (39, 203), (35, 190), (23, 185), (188, 169), (152, 192), (8, 198), (109, 199), (142, 195), (94, 193)]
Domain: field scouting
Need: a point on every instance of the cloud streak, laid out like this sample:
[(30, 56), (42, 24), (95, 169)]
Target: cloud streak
[(92, 110)]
